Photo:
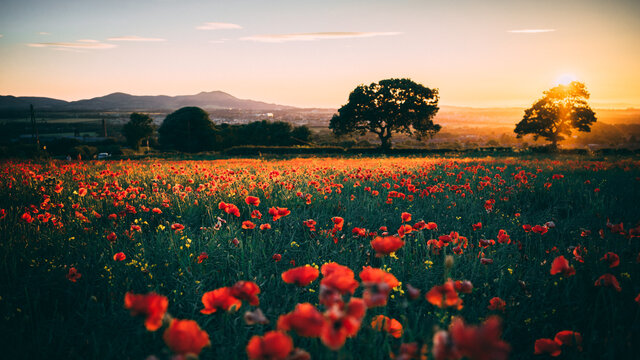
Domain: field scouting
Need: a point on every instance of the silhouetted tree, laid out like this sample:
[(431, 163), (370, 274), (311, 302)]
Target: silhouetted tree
[(392, 105), (300, 135), (552, 117), (139, 127), (188, 129)]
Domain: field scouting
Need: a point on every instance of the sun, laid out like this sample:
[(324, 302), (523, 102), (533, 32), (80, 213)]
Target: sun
[(565, 79)]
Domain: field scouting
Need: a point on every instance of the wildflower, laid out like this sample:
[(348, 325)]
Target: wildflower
[(301, 276), (248, 225), (265, 226), (278, 212), (612, 259), (246, 290), (497, 303), (569, 338), (547, 346), (384, 323), (476, 226), (305, 320), (151, 305), (112, 237), (177, 227), (274, 345), (119, 256), (255, 214), (406, 217), (221, 298), (202, 257), (378, 284), (386, 245), (444, 296), (561, 265), (73, 275), (252, 200), (276, 257), (479, 342), (184, 337), (342, 321), (610, 281)]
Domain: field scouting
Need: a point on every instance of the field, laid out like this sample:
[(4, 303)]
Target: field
[(551, 249)]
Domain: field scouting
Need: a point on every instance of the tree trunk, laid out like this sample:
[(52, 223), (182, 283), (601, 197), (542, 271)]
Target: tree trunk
[(385, 140)]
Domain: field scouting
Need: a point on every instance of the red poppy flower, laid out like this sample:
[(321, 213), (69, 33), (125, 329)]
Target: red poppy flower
[(485, 261), (255, 214), (476, 226), (252, 200), (444, 296), (539, 229), (612, 259), (406, 217), (569, 338), (479, 342), (464, 286), (338, 223), (561, 265), (526, 227), (26, 217), (112, 237), (151, 305), (278, 212), (274, 345), (610, 281), (119, 256), (378, 284), (246, 290), (82, 192), (202, 257), (497, 303), (384, 323), (547, 346), (248, 225), (342, 322), (276, 257), (443, 347), (73, 275), (301, 276), (305, 320), (432, 226), (386, 245), (177, 227), (219, 299), (637, 299), (185, 337), (311, 224), (404, 229), (265, 226)]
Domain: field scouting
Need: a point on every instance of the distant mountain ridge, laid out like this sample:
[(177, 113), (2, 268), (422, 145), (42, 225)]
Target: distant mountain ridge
[(125, 102)]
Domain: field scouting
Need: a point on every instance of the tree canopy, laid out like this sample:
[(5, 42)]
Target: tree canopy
[(139, 127), (561, 109), (387, 107), (188, 129)]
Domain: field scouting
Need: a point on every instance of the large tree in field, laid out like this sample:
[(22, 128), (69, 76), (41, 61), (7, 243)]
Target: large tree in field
[(139, 127), (188, 129), (387, 107), (560, 110)]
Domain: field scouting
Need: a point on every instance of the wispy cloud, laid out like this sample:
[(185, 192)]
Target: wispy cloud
[(1, 35), (531, 31), (278, 38), (218, 26), (84, 44), (135, 38), (44, 33)]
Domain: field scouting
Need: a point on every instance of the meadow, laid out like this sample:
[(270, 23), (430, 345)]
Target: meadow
[(476, 258)]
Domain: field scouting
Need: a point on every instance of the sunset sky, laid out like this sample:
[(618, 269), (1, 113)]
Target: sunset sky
[(313, 53)]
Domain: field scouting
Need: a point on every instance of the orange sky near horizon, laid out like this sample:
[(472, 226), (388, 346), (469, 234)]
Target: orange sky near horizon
[(312, 54)]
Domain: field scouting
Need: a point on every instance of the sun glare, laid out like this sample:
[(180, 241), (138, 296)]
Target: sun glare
[(565, 79)]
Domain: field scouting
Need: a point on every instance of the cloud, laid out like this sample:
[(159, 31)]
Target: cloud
[(135, 38), (279, 38), (218, 26), (44, 33), (84, 44), (1, 35), (531, 31)]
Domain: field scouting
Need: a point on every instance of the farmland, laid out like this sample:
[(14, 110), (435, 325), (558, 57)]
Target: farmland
[(490, 258)]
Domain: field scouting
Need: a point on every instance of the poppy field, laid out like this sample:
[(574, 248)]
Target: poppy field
[(321, 258)]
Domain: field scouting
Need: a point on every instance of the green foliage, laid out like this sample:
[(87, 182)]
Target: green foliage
[(562, 109), (139, 127), (189, 129), (387, 107), (264, 133)]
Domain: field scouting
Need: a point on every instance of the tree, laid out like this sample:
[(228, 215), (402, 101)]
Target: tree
[(562, 109), (188, 129), (390, 106), (139, 127)]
